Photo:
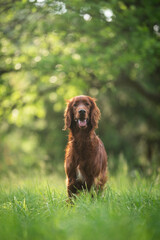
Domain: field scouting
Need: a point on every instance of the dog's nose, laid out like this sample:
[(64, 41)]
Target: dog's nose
[(82, 111)]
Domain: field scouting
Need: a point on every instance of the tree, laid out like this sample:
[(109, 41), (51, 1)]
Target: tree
[(53, 50)]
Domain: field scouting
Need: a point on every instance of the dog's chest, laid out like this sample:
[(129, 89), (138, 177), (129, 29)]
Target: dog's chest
[(79, 175), (83, 146)]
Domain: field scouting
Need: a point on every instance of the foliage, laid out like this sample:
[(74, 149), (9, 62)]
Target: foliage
[(37, 209), (53, 50)]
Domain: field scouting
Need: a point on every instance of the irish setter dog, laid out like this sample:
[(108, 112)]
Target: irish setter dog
[(85, 157)]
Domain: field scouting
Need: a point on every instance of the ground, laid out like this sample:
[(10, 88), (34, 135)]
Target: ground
[(36, 208)]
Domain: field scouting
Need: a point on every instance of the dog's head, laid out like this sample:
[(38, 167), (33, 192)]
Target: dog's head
[(82, 112)]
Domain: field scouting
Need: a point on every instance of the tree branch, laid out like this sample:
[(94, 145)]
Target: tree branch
[(3, 71), (126, 82)]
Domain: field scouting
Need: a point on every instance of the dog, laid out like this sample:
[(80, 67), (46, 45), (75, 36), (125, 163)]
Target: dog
[(85, 156)]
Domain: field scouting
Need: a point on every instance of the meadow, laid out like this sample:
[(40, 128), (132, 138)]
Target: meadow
[(51, 51), (35, 208)]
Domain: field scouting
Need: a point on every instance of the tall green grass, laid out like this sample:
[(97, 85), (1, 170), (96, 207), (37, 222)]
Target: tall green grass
[(37, 209)]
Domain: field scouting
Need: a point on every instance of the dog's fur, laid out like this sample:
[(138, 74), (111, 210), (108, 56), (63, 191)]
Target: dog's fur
[(85, 157)]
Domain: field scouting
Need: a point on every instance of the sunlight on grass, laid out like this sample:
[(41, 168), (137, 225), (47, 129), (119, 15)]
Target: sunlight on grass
[(36, 208)]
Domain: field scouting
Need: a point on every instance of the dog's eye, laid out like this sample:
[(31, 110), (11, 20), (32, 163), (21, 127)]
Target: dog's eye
[(75, 105), (87, 104)]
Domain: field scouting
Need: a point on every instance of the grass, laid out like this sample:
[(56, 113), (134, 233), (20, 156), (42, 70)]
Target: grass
[(36, 209)]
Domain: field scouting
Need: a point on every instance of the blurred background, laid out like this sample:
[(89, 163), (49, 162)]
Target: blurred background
[(51, 51)]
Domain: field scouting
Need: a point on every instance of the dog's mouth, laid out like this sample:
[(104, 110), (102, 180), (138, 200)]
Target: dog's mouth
[(82, 123)]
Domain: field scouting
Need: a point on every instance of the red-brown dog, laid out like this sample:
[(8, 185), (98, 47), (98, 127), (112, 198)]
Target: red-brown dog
[(85, 157)]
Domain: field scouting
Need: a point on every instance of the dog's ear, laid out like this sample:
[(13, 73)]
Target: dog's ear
[(68, 115), (95, 113)]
